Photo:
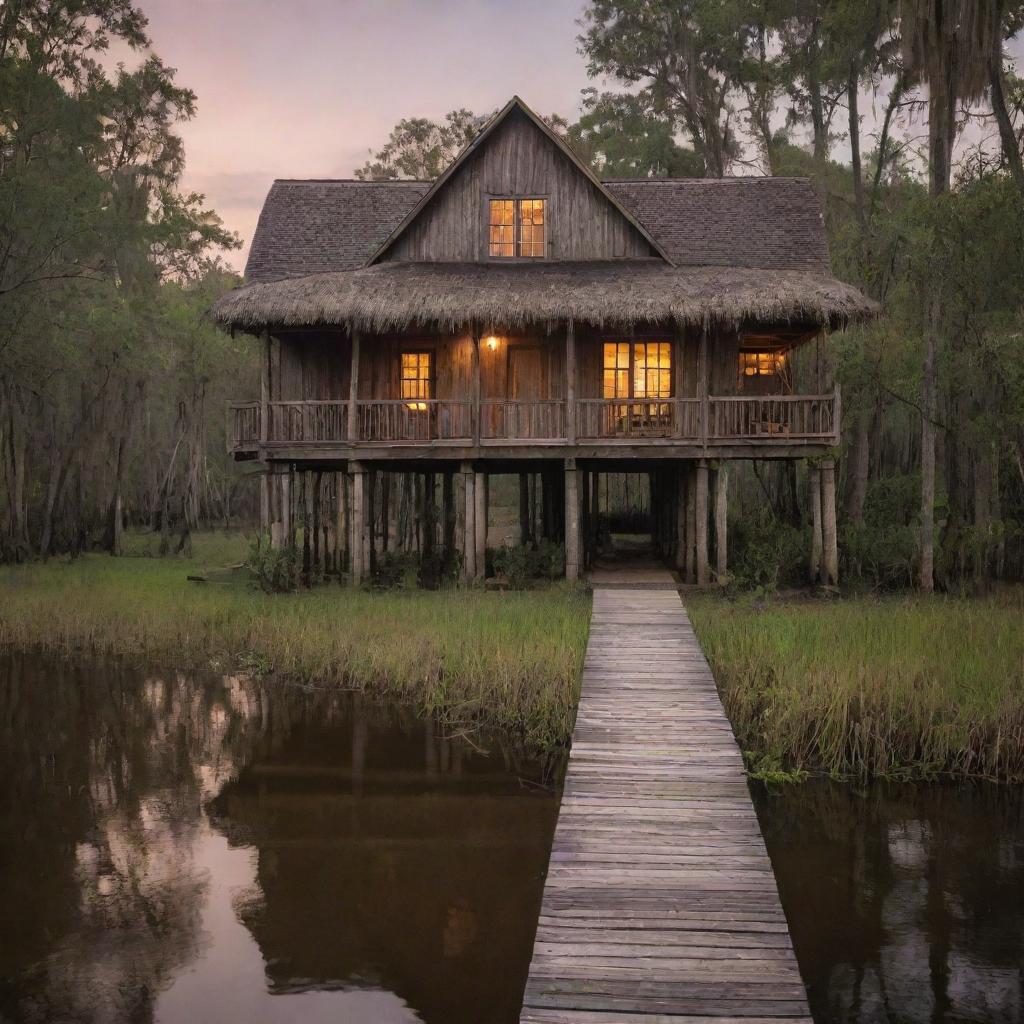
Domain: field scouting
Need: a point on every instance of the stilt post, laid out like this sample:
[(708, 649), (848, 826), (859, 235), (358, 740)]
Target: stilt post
[(829, 536), (814, 496), (722, 522), (701, 531), (572, 521)]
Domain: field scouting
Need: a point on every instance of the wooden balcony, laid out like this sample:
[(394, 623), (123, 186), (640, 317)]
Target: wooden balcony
[(325, 428)]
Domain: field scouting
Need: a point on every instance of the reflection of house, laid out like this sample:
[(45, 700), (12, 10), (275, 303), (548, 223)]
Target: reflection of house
[(383, 879), (521, 315)]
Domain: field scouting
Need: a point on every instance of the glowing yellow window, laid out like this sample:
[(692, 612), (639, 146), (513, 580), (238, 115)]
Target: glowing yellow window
[(616, 370), (642, 369), (417, 376), (652, 370), (503, 227), (517, 227), (531, 227), (762, 364)]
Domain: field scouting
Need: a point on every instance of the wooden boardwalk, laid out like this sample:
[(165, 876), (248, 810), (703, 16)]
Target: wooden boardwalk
[(660, 902)]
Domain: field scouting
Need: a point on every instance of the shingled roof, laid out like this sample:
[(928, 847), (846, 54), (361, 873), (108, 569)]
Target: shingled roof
[(322, 226), (771, 223)]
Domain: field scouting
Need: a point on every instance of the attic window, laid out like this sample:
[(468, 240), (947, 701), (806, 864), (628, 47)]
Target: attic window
[(517, 227)]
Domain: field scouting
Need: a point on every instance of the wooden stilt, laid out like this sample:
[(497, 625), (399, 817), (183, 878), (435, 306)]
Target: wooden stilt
[(265, 503), (288, 538), (339, 522), (480, 525), (572, 521), (691, 524), (814, 497), (681, 535), (357, 524), (722, 522), (700, 535), (469, 530), (449, 514), (524, 508), (829, 535)]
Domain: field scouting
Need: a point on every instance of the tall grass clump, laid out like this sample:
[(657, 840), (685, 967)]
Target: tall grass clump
[(897, 687), (507, 660)]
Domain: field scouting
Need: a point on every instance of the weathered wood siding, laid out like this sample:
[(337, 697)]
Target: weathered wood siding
[(312, 365), (518, 160), (316, 365)]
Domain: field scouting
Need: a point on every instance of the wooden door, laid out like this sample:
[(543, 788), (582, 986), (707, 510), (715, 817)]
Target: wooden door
[(524, 416)]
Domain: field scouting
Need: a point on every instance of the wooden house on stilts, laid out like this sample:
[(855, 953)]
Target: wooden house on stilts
[(519, 315)]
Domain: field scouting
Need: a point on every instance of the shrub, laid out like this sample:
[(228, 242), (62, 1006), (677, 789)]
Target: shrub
[(520, 563), (277, 570), (766, 553), (394, 570)]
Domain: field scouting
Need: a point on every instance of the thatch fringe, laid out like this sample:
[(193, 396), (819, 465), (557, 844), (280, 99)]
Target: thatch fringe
[(446, 296)]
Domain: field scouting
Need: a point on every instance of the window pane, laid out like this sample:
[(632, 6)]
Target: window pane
[(416, 377), (531, 227)]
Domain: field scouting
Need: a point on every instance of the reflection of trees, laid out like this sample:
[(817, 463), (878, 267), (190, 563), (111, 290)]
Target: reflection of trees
[(394, 843), (408, 865), (104, 773), (903, 901)]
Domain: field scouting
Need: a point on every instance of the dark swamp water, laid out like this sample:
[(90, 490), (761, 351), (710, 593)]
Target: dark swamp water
[(188, 849)]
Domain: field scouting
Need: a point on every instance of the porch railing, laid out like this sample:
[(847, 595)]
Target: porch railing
[(243, 426), (522, 420), (396, 421), (307, 422), (711, 421), (783, 417)]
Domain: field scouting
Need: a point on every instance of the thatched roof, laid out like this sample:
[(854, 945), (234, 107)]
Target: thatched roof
[(393, 295)]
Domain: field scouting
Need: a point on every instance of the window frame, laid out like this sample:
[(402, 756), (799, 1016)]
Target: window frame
[(412, 402), (632, 342), (516, 199), (782, 373)]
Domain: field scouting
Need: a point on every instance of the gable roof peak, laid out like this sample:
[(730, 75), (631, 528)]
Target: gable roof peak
[(517, 103)]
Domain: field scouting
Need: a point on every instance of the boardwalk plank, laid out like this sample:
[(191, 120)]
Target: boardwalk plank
[(660, 903)]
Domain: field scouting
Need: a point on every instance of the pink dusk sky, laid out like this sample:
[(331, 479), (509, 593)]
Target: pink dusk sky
[(305, 88)]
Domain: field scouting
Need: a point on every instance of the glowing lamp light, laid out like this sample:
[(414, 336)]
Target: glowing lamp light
[(491, 342)]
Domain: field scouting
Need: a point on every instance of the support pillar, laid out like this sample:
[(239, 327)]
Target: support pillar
[(265, 503), (480, 487), (469, 524), (572, 521), (814, 496), (700, 535), (722, 523), (681, 534), (357, 523), (829, 534), (691, 524), (340, 523), (287, 537)]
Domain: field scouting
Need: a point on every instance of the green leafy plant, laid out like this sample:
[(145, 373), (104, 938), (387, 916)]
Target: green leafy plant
[(277, 570)]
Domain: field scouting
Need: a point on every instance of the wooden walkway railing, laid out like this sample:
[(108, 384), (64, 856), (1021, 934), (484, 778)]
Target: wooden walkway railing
[(709, 421), (660, 903)]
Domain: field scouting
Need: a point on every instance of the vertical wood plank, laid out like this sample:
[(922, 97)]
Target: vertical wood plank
[(572, 521), (722, 522), (814, 497), (829, 536), (353, 389)]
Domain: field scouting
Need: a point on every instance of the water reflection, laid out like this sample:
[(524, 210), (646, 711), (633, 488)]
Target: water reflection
[(185, 849), (906, 903)]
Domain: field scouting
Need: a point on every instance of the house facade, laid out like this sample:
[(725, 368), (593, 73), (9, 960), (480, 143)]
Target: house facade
[(518, 315)]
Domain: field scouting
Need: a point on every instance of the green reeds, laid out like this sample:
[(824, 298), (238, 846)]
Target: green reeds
[(506, 660), (900, 687)]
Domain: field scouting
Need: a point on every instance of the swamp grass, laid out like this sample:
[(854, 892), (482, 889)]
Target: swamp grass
[(907, 687), (509, 660)]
